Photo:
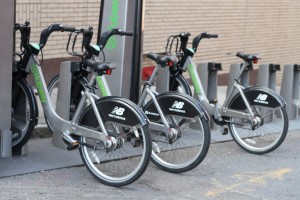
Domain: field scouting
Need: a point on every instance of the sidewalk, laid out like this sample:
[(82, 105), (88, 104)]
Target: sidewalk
[(42, 155), (227, 172)]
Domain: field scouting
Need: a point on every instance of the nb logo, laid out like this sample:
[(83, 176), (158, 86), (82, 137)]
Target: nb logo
[(178, 105), (262, 97), (118, 111)]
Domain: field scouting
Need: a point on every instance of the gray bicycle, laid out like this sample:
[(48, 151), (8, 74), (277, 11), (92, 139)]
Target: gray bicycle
[(256, 116), (178, 124), (105, 131)]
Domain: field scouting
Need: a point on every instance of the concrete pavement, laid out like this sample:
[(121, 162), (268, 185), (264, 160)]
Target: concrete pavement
[(227, 172)]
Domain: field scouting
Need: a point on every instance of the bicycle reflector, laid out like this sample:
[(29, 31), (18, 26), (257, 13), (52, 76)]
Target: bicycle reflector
[(108, 72), (170, 64), (255, 61)]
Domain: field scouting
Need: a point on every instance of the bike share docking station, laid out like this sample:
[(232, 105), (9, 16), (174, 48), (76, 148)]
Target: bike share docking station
[(209, 79), (127, 15), (126, 52), (290, 89), (6, 50)]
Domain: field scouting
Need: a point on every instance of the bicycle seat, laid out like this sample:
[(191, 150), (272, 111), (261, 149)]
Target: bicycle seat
[(161, 59), (98, 66), (251, 58)]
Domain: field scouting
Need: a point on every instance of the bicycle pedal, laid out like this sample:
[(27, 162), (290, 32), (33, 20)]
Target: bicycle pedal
[(136, 143), (224, 131), (72, 146), (213, 101)]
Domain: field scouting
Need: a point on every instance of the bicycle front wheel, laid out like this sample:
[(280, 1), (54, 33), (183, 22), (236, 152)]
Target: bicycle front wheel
[(179, 83), (24, 113)]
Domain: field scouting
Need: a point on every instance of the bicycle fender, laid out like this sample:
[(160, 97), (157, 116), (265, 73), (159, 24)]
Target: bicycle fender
[(260, 96), (174, 103), (116, 110), (32, 97)]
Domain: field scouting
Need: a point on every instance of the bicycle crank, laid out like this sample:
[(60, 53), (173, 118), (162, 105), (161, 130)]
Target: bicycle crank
[(173, 135)]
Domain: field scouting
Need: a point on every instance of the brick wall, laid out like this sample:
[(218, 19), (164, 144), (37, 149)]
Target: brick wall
[(42, 13), (269, 27)]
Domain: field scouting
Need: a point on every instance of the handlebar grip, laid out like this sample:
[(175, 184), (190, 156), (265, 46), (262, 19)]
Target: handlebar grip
[(126, 33), (214, 35), (68, 28), (106, 35)]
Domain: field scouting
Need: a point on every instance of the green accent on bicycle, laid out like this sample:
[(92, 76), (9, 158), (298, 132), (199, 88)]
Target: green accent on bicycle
[(114, 22), (191, 50), (36, 46), (194, 78), (96, 47), (101, 86), (39, 83)]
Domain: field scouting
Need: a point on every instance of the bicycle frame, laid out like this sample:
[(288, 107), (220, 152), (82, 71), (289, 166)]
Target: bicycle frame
[(58, 123), (211, 108), (105, 91)]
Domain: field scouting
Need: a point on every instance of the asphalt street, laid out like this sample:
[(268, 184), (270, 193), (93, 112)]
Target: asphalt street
[(227, 172)]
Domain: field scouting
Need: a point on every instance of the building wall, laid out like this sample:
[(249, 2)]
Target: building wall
[(270, 27)]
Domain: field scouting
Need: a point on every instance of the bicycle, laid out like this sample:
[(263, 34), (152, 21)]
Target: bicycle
[(178, 124), (105, 130), (24, 111), (249, 113)]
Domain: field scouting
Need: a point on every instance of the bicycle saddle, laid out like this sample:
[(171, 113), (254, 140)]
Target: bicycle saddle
[(98, 66), (251, 58), (161, 59)]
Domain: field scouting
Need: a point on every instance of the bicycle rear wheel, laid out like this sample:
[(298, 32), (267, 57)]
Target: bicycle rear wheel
[(267, 137), (187, 152), (24, 113), (272, 122), (185, 144), (121, 165)]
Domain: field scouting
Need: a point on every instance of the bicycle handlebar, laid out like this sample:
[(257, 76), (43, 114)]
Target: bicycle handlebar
[(53, 27), (106, 35), (197, 39), (86, 40), (25, 34)]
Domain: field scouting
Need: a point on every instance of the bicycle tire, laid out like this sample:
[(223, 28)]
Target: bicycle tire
[(180, 84), (53, 83), (121, 166), (269, 135), (24, 113), (188, 150)]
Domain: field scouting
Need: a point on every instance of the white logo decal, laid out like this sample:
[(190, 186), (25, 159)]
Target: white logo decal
[(177, 106), (261, 98), (151, 113), (117, 112)]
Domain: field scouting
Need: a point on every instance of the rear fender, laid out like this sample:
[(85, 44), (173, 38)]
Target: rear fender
[(116, 110), (257, 96), (174, 103)]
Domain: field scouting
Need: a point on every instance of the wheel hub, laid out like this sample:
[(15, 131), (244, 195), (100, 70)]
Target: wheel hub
[(113, 143)]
